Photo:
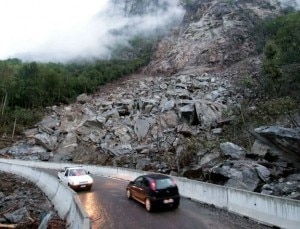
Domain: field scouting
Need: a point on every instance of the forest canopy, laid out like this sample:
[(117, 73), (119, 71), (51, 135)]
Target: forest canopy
[(27, 87)]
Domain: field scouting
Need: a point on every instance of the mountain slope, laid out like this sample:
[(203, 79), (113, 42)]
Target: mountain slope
[(213, 35), (173, 117)]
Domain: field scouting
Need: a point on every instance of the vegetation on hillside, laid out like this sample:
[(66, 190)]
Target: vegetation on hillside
[(25, 88), (279, 82), (281, 63), (279, 41)]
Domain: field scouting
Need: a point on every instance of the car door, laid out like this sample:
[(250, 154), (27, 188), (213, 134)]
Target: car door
[(137, 187), (145, 189), (64, 177)]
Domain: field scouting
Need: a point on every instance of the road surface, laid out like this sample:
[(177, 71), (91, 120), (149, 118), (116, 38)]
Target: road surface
[(108, 207)]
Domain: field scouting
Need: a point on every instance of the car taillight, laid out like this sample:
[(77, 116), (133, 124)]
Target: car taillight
[(153, 185), (174, 182)]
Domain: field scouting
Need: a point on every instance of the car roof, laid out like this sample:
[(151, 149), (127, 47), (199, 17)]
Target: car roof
[(156, 176), (74, 167)]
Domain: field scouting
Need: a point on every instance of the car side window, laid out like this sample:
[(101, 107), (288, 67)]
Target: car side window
[(146, 183), (139, 181), (66, 173)]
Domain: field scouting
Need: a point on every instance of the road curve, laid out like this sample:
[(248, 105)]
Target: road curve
[(108, 207)]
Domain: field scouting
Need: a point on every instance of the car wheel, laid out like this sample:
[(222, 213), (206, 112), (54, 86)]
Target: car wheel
[(148, 205), (128, 194)]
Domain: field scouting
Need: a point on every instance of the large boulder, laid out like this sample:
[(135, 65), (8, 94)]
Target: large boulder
[(286, 139), (233, 151), (141, 128), (238, 174), (47, 141), (208, 113)]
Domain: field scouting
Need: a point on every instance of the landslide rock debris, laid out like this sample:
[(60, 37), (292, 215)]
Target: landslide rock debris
[(24, 205), (188, 94)]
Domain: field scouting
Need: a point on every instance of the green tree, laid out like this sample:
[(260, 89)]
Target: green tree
[(281, 63)]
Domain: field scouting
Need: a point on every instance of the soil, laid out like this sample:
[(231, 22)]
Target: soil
[(17, 192)]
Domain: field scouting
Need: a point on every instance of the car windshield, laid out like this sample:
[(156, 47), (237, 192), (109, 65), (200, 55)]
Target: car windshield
[(77, 172), (164, 183)]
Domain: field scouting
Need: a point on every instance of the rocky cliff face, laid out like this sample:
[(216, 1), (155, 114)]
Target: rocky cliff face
[(213, 35), (171, 121)]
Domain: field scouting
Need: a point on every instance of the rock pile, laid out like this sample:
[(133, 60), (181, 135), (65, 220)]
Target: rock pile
[(214, 34), (171, 124), (154, 124), (23, 205)]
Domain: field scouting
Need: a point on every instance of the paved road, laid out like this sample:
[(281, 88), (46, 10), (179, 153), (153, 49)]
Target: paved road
[(109, 208)]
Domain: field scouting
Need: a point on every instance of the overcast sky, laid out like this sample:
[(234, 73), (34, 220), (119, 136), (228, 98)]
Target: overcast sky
[(61, 30), (27, 25)]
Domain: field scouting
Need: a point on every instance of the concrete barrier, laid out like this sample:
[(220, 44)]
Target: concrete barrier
[(203, 192), (277, 211), (48, 184), (64, 199), (269, 210), (82, 222)]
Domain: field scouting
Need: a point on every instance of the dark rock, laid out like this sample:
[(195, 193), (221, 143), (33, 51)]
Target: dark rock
[(286, 138), (143, 164), (17, 216), (232, 151), (192, 173), (286, 188), (248, 180), (293, 177), (44, 156), (263, 173)]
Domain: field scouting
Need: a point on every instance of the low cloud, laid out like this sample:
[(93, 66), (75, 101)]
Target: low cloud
[(290, 3), (95, 37)]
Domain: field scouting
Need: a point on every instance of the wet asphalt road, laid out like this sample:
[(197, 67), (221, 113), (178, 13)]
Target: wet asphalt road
[(108, 207)]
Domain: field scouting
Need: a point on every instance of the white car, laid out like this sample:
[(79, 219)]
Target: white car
[(76, 178)]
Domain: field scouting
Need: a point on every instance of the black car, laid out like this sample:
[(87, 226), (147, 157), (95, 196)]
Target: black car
[(154, 190)]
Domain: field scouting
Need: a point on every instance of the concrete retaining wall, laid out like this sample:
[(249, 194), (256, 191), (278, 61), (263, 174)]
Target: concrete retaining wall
[(270, 210), (64, 199)]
